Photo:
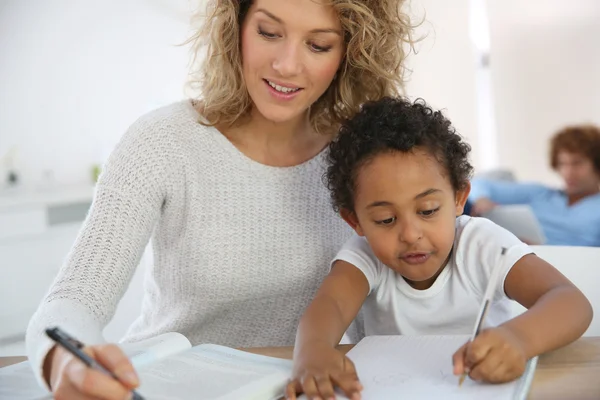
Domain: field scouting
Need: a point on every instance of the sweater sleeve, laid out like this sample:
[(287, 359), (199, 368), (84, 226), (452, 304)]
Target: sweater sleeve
[(127, 204)]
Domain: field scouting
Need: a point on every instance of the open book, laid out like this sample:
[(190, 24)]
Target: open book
[(389, 367), (170, 368)]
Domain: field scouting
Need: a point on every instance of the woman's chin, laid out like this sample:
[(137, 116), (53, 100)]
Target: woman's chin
[(281, 114)]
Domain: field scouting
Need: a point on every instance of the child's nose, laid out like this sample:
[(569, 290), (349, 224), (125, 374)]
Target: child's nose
[(410, 232)]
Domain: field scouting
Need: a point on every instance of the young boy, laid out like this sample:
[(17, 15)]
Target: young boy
[(399, 175)]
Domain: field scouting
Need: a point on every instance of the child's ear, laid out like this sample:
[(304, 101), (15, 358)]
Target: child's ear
[(461, 198), (352, 220)]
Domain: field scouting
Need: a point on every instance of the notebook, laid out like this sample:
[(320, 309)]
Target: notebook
[(170, 368), (420, 367), (389, 367)]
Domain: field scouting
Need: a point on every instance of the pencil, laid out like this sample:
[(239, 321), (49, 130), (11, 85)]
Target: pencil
[(487, 300)]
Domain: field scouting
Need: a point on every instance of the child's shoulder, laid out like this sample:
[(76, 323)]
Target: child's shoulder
[(468, 228), (358, 245), (479, 239), (478, 234)]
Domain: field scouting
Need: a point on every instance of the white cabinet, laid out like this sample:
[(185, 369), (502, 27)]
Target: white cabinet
[(37, 230)]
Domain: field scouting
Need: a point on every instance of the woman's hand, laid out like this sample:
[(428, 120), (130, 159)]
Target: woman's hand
[(496, 356), (70, 378), (318, 369)]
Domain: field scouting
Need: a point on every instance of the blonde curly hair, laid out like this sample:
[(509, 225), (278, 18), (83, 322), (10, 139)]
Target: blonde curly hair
[(375, 33)]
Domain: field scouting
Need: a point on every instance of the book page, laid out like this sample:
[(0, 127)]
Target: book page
[(418, 367), (150, 350), (212, 372)]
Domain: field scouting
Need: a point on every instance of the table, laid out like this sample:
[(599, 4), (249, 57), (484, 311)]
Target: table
[(572, 372)]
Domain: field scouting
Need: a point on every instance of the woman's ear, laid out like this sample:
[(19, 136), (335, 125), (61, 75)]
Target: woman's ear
[(352, 220), (461, 198)]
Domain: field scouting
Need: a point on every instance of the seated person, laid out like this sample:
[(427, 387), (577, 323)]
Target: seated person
[(399, 176), (569, 217)]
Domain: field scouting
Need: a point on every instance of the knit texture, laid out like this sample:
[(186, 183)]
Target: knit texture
[(240, 248)]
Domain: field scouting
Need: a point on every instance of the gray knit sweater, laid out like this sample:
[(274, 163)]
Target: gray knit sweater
[(239, 247)]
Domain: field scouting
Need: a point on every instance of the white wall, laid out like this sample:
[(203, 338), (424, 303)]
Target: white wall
[(75, 74), (545, 64), (443, 70)]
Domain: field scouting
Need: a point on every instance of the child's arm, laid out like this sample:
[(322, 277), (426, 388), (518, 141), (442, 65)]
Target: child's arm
[(318, 366), (558, 313)]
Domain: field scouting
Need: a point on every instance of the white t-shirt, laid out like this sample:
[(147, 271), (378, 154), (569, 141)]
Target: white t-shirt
[(451, 304)]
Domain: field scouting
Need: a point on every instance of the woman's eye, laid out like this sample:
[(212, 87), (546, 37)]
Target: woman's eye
[(387, 221), (320, 49), (266, 34)]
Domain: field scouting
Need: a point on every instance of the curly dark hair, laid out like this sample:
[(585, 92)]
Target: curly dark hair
[(389, 125)]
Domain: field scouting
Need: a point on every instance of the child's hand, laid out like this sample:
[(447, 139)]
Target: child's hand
[(318, 370), (496, 355)]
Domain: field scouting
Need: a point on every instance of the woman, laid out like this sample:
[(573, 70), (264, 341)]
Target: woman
[(228, 187)]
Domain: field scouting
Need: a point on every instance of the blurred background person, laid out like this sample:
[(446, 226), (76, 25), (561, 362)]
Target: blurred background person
[(568, 216)]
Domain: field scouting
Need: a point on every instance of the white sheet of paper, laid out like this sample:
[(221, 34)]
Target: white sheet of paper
[(418, 367), (17, 382), (520, 220)]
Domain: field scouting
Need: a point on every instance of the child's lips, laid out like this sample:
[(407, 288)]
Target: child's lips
[(415, 258)]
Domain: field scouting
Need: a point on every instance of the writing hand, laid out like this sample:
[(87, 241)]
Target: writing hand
[(69, 378), (496, 356)]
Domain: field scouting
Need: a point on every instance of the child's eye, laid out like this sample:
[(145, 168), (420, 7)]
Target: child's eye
[(387, 221), (266, 34), (429, 213)]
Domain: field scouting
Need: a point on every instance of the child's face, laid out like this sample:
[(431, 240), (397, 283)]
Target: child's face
[(406, 208)]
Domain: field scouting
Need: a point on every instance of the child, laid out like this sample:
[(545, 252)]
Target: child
[(399, 175)]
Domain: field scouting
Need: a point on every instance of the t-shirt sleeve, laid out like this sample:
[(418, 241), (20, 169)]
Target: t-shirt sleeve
[(480, 253), (358, 252)]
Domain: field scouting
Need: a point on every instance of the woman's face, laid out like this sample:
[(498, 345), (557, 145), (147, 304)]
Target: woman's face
[(291, 51)]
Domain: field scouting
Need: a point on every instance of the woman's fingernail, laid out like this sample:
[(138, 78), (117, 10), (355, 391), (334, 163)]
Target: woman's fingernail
[(131, 378)]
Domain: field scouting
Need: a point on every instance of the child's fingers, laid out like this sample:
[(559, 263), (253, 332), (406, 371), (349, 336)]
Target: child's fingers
[(477, 350), (325, 387), (292, 388), (309, 387), (500, 365), (458, 359), (489, 369), (348, 383)]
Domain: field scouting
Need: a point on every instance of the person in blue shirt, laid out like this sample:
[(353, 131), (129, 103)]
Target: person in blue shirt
[(568, 216)]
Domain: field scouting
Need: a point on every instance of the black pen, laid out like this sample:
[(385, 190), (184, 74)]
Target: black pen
[(74, 347)]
